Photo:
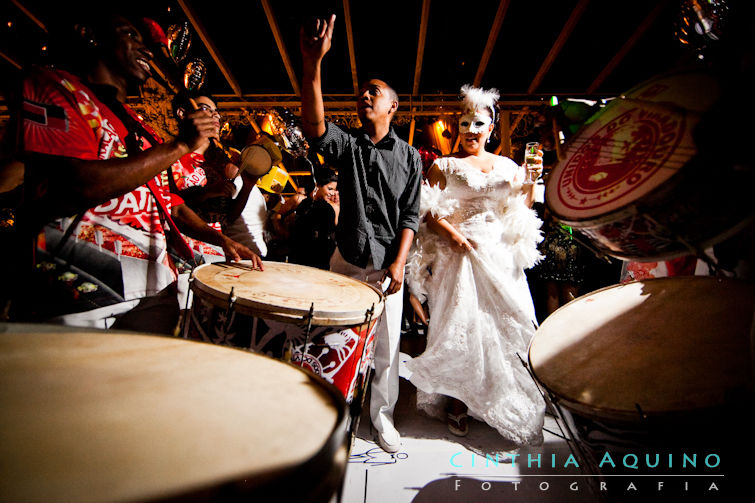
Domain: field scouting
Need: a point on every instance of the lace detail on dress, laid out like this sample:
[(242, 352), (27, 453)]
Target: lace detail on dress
[(481, 313)]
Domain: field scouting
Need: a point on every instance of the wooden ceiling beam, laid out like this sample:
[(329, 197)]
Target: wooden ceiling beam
[(28, 14), (421, 45), (10, 60), (208, 43), (558, 44), (631, 42), (350, 42), (492, 38), (281, 46)]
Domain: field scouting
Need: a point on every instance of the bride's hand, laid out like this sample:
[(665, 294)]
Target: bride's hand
[(460, 243)]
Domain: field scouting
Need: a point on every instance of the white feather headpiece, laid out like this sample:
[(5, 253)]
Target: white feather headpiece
[(477, 98)]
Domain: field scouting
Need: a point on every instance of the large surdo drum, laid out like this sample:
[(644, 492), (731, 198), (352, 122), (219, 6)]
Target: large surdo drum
[(649, 350), (635, 182), (322, 321), (661, 367), (116, 416)]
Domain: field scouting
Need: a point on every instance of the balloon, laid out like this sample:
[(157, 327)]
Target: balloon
[(179, 41), (701, 23), (287, 132), (194, 74)]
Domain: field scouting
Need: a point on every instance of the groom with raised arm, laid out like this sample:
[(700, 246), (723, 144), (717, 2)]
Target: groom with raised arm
[(379, 177)]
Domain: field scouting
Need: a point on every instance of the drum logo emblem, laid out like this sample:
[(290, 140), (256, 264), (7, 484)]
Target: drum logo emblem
[(620, 155)]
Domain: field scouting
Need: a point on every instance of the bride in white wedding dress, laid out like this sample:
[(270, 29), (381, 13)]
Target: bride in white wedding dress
[(468, 261)]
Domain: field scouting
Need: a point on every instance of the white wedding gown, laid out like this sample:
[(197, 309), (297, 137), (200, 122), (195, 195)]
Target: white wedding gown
[(481, 313)]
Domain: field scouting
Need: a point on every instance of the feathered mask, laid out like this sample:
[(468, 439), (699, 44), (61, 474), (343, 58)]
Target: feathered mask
[(476, 98)]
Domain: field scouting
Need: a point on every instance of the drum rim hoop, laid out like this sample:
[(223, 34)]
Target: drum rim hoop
[(290, 314), (242, 484)]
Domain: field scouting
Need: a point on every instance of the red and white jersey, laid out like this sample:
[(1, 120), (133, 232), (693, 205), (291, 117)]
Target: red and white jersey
[(189, 172), (62, 117)]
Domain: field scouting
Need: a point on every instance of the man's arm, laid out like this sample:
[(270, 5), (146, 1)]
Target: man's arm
[(395, 271), (192, 225), (408, 222), (239, 203), (79, 184), (313, 49)]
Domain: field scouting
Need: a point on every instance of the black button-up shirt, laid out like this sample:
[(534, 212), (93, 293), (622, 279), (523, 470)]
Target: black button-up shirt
[(379, 187)]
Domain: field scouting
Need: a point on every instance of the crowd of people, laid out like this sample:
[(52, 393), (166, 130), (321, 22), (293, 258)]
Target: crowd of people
[(113, 217)]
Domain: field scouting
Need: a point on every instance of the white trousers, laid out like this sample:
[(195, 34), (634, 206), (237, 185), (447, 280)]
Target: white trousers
[(384, 391)]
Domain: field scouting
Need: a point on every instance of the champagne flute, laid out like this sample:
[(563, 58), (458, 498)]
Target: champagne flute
[(532, 158)]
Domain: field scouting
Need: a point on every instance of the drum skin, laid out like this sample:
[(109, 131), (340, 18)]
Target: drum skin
[(635, 183), (659, 349), (116, 416), (286, 292)]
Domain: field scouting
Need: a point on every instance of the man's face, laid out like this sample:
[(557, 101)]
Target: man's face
[(374, 101), (130, 57), (205, 103)]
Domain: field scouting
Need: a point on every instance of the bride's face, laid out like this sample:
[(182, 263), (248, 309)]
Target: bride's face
[(475, 128)]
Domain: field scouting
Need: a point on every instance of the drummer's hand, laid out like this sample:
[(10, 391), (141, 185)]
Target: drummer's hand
[(315, 39), (395, 272), (236, 251), (219, 188)]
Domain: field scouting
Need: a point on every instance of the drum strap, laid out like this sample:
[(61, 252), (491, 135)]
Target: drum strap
[(175, 238), (67, 234)]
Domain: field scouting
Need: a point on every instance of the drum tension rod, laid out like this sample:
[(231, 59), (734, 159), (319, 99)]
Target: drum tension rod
[(184, 317), (309, 317), (643, 416), (357, 403), (231, 299), (229, 311), (189, 291), (368, 321)]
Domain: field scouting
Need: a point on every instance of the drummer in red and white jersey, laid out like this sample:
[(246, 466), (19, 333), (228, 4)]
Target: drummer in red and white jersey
[(208, 179), (92, 174)]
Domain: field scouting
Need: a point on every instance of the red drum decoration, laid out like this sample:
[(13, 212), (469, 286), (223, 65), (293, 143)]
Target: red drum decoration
[(633, 181)]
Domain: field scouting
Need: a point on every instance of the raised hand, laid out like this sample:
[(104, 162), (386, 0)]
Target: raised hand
[(315, 39)]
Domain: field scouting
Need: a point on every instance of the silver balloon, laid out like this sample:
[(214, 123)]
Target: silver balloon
[(179, 41), (194, 74), (699, 24)]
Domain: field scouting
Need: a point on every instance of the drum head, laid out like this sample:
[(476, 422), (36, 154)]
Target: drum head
[(662, 346), (631, 147), (285, 292), (114, 416), (255, 160)]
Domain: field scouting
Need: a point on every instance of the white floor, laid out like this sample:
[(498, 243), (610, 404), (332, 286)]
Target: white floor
[(434, 465)]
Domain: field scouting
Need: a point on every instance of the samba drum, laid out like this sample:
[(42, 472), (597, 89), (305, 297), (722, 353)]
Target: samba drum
[(651, 364), (634, 183), (320, 320), (116, 416)]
